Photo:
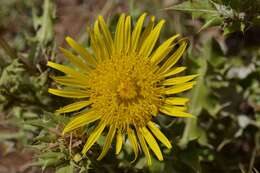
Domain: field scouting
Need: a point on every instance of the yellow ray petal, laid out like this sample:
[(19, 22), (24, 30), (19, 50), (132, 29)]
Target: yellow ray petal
[(127, 33), (133, 141), (119, 142), (67, 70), (119, 36), (151, 39), (81, 120), (108, 141), (96, 46), (152, 143), (179, 108), (175, 112), (69, 93), (146, 31), (174, 57), (174, 71), (178, 80), (159, 135), (70, 81), (75, 60), (94, 136), (144, 147), (73, 107), (107, 34), (179, 88), (163, 55), (103, 47), (137, 31), (81, 51), (176, 100), (96, 29), (163, 50)]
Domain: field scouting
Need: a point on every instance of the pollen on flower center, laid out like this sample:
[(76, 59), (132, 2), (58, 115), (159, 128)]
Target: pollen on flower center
[(127, 89), (124, 90)]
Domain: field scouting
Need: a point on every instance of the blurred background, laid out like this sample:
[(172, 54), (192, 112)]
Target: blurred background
[(224, 50)]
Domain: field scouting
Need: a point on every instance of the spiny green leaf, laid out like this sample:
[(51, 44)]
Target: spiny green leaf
[(197, 8), (214, 21), (44, 23)]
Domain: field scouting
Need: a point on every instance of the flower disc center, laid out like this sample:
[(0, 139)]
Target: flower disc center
[(124, 91), (127, 89)]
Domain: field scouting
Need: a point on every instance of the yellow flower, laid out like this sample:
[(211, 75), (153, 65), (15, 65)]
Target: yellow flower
[(123, 84)]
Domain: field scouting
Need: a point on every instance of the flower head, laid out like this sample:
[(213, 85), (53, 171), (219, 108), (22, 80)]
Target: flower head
[(123, 83)]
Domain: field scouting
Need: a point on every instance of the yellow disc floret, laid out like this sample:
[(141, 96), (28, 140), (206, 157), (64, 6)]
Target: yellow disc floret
[(124, 91)]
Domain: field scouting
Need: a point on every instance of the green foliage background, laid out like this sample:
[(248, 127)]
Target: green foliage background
[(224, 50)]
